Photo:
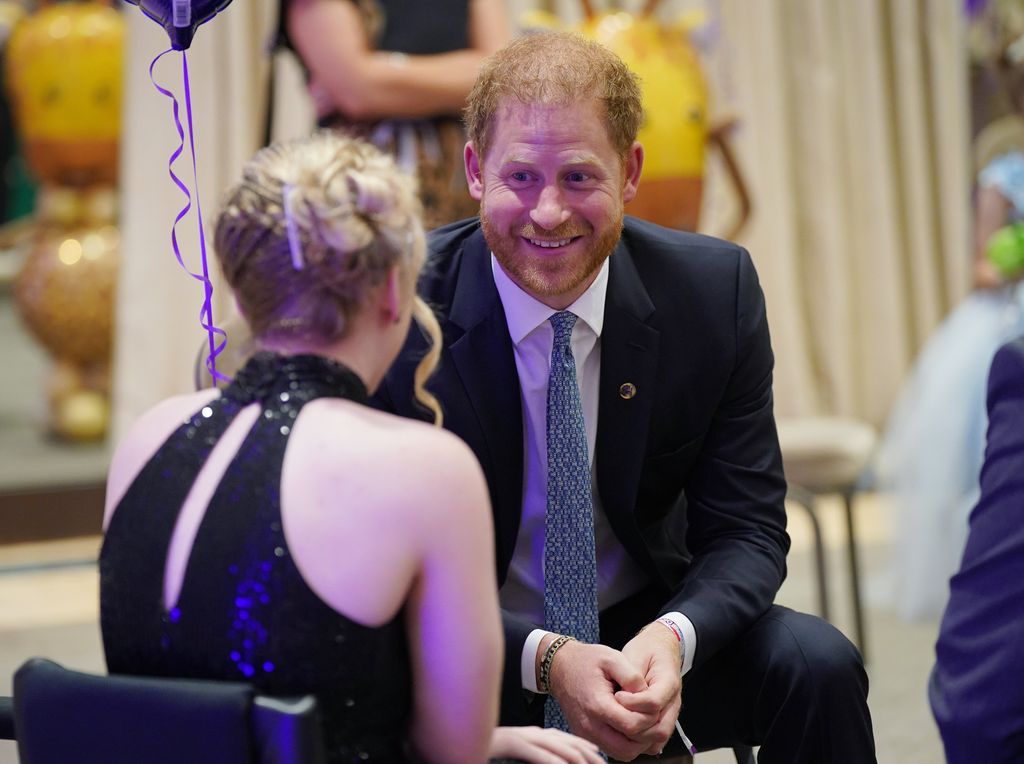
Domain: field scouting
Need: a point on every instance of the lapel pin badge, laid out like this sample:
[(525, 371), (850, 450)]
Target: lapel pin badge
[(627, 390)]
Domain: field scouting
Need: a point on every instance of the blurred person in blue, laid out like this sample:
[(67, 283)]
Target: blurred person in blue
[(977, 685), (934, 441)]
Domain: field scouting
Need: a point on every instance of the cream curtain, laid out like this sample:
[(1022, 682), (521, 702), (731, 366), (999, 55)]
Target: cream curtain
[(853, 140)]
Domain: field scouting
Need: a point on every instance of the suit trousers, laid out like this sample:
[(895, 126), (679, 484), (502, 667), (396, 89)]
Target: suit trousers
[(792, 684)]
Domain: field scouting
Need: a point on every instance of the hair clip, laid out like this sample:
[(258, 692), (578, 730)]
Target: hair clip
[(294, 245)]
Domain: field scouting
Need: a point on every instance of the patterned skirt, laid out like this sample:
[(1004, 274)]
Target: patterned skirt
[(430, 149)]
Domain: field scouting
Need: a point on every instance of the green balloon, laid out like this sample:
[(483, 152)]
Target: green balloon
[(1005, 249)]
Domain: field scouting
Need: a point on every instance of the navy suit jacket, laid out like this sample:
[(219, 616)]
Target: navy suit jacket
[(977, 685), (689, 470)]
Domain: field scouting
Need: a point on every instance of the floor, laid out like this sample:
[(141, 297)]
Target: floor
[(48, 590)]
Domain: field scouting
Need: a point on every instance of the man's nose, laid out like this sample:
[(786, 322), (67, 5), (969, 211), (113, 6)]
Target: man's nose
[(550, 210)]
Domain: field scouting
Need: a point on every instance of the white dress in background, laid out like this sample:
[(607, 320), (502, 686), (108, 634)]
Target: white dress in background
[(933, 446)]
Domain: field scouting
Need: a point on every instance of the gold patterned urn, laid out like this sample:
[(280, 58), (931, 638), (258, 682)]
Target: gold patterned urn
[(64, 73)]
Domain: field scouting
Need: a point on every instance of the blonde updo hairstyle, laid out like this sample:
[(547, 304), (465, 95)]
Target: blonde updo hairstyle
[(312, 227)]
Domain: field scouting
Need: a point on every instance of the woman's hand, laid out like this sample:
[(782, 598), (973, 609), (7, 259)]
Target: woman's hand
[(542, 746)]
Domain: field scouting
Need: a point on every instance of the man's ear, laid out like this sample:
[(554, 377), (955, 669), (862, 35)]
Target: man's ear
[(474, 167), (631, 175)]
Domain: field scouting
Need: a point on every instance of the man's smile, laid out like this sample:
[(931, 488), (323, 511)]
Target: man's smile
[(551, 243)]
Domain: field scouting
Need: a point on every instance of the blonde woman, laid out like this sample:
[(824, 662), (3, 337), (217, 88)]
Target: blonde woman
[(282, 532)]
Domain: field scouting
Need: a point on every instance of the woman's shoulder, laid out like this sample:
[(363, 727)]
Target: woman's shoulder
[(417, 448), (145, 436), (386, 470), (160, 420)]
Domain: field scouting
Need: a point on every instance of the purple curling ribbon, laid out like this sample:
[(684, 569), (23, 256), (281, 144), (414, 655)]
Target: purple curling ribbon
[(217, 337)]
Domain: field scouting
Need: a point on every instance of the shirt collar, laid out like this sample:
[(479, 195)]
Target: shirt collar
[(524, 313)]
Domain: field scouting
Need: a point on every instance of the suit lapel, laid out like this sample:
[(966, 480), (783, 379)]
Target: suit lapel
[(481, 352), (489, 417), (629, 361)]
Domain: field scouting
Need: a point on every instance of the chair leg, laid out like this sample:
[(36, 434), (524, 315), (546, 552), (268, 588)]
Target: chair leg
[(858, 606), (744, 754), (7, 731), (805, 499)]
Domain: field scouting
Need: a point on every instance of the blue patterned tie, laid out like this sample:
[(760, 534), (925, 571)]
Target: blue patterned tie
[(570, 568)]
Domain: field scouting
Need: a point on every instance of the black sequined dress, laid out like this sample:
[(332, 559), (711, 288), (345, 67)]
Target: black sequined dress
[(244, 612)]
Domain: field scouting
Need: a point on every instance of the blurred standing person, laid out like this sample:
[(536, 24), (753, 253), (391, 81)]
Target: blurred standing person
[(934, 442), (397, 73)]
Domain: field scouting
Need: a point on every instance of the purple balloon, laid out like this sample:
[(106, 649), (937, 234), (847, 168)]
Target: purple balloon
[(180, 17), (974, 7)]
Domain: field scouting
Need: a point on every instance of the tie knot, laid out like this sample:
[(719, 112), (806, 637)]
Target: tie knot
[(562, 322)]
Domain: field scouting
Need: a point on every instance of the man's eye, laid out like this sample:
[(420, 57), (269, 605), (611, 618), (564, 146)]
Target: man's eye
[(520, 176), (577, 177)]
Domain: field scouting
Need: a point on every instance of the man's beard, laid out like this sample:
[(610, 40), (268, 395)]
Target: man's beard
[(548, 277)]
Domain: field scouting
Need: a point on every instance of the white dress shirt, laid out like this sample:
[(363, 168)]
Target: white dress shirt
[(618, 575)]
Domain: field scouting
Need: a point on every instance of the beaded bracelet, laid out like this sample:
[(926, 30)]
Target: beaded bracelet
[(549, 656)]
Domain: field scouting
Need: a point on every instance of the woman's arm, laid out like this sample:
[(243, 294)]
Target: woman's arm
[(452, 612), (488, 26), (542, 746), (364, 84), (991, 209)]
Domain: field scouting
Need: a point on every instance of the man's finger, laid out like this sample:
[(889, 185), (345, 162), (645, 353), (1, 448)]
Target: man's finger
[(658, 734), (628, 722), (623, 673), (661, 692), (648, 702), (615, 744)]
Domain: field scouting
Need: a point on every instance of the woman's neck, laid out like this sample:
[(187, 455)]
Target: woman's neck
[(357, 355)]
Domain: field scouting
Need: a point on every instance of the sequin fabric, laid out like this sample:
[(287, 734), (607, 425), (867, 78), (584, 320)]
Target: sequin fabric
[(245, 612)]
